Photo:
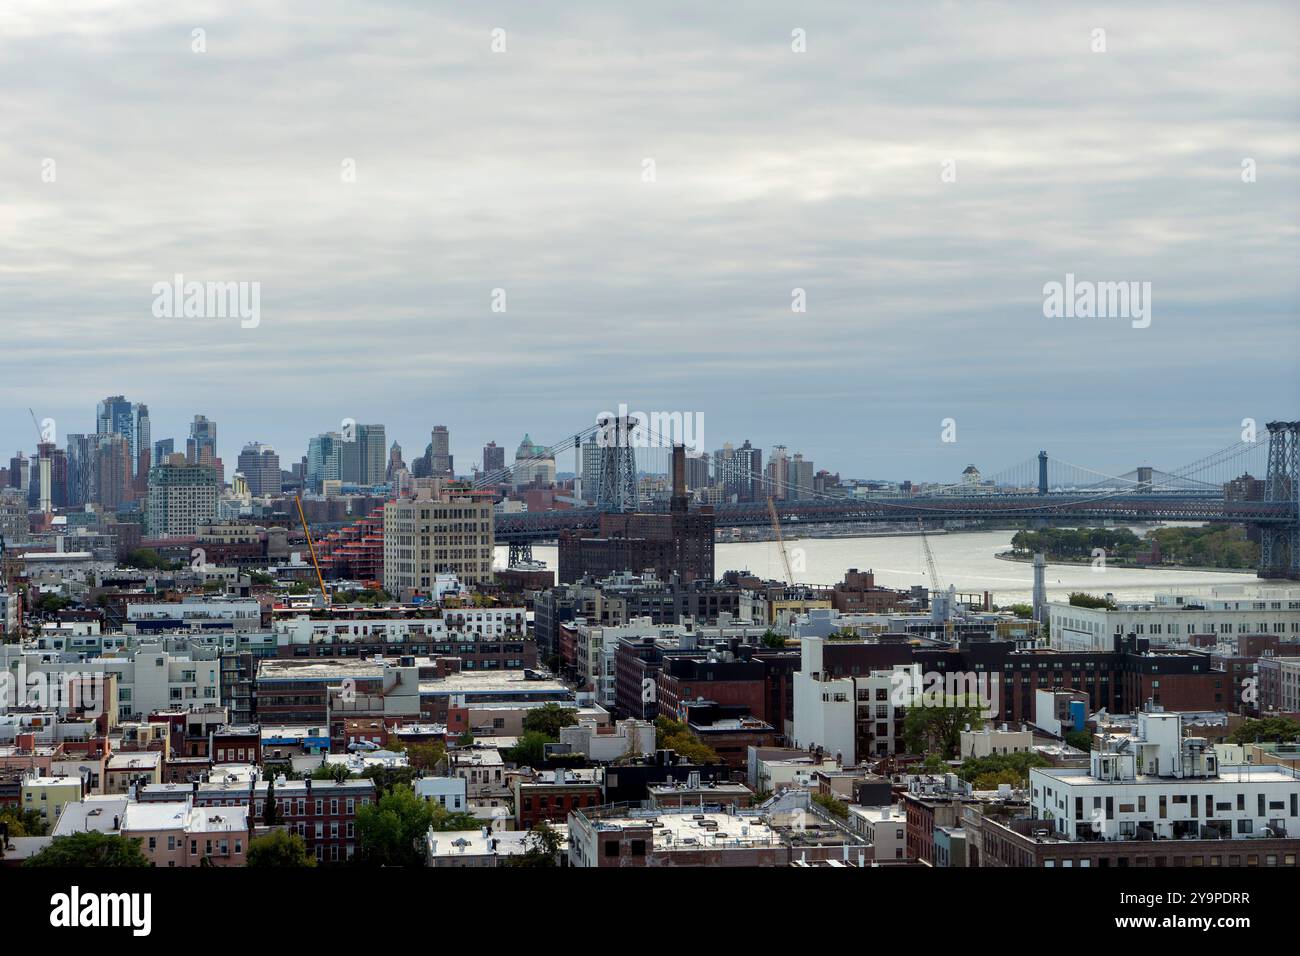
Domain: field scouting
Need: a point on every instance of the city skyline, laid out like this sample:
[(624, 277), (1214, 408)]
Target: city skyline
[(958, 454), (919, 178)]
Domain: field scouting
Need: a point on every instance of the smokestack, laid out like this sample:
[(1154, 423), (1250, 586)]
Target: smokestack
[(679, 478), (1040, 588)]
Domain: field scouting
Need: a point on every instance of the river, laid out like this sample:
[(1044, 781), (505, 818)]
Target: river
[(966, 559)]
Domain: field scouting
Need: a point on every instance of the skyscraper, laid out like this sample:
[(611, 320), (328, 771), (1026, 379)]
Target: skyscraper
[(201, 446), (494, 459), (739, 471), (440, 464), (362, 459), (260, 466), (116, 416), (323, 459)]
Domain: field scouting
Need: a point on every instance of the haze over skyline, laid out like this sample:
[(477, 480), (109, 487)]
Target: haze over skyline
[(775, 170)]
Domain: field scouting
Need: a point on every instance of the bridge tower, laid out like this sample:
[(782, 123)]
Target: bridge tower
[(1279, 547), (616, 482), (1042, 472)]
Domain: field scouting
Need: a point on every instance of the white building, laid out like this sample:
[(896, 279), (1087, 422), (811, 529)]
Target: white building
[(835, 713), (239, 614), (885, 828), (986, 741), (1172, 618), (449, 792), (1156, 780), (629, 736)]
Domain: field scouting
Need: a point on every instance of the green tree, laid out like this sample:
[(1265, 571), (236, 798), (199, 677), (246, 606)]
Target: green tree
[(541, 847), (1267, 730), (270, 809), (23, 823), (279, 848), (1022, 611), (91, 848), (1080, 739), (391, 831), (677, 736), (832, 805), (772, 639), (936, 726), (985, 773), (445, 821), (529, 750), (426, 757), (1082, 599), (549, 719)]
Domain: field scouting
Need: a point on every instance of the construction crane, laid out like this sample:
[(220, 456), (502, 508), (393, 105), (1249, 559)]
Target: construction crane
[(776, 527), (929, 556), (312, 549), (43, 468), (936, 589)]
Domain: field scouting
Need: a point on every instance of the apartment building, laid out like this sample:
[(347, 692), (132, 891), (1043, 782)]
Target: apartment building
[(425, 535), (1171, 619)]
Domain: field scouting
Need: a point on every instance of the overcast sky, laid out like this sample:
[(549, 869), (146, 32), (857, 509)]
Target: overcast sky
[(524, 170)]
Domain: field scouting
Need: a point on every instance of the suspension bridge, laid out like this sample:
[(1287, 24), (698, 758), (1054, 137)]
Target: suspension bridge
[(1254, 483)]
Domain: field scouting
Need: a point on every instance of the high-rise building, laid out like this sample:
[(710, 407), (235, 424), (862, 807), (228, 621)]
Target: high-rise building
[(534, 464), (362, 458), (163, 449), (739, 471), (800, 478), (590, 468), (260, 466), (395, 462), (424, 536), (440, 461), (201, 446), (116, 416), (494, 459), (113, 484), (777, 476), (323, 459), (82, 469), (697, 471), (181, 498), (19, 475)]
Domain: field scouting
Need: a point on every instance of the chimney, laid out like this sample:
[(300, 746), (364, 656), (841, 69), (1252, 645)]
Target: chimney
[(679, 478)]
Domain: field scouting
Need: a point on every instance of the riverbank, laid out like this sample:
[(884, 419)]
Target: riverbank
[(1112, 563)]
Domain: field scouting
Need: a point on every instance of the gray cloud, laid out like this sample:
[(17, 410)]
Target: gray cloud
[(775, 170)]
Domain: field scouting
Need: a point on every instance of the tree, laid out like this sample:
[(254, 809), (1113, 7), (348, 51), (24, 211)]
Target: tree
[(772, 639), (1082, 599), (675, 735), (529, 750), (465, 740), (985, 773), (447, 821), (270, 810), (426, 757), (91, 848), (1022, 611), (279, 848), (391, 831), (936, 726), (541, 847), (1269, 729), (832, 805), (549, 719), (331, 771), (1079, 739), (23, 823)]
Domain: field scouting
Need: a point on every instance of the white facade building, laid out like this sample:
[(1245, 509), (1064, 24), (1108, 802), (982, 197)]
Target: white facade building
[(1171, 618), (1174, 787)]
